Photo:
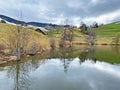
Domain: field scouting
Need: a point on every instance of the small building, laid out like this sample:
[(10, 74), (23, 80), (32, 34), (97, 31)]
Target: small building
[(41, 31)]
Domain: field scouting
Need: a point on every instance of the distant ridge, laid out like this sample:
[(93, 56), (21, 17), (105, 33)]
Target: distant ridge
[(11, 20), (38, 24)]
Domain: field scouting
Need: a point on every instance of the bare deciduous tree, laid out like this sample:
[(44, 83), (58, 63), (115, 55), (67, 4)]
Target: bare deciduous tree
[(116, 39), (91, 38), (67, 36), (17, 40)]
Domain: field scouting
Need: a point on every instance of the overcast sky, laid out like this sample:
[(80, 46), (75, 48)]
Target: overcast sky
[(57, 11)]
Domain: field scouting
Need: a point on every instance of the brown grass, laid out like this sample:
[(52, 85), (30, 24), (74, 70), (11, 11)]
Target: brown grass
[(40, 40)]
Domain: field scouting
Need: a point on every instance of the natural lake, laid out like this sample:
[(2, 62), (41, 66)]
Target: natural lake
[(75, 68)]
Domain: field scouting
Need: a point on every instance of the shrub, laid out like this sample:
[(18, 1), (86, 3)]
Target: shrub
[(91, 38), (67, 36), (52, 43), (3, 21), (2, 47)]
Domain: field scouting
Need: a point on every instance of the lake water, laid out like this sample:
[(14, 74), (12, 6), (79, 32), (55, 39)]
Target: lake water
[(79, 68)]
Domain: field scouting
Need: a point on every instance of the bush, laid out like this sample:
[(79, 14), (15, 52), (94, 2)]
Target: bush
[(91, 38), (52, 43), (2, 47), (67, 36), (3, 21)]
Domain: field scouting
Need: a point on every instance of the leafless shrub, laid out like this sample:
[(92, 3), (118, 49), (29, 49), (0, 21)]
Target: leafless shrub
[(2, 47), (91, 38), (34, 48), (52, 43), (67, 36), (17, 40)]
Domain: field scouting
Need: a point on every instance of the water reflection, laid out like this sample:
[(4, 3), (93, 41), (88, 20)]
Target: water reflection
[(66, 54), (20, 73), (67, 69), (88, 53), (116, 49), (88, 75)]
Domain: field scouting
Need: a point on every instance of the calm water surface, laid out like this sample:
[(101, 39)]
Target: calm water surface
[(67, 69)]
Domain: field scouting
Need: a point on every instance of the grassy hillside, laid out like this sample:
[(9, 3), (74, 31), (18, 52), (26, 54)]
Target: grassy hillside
[(38, 38), (58, 32), (105, 33), (104, 30), (108, 29)]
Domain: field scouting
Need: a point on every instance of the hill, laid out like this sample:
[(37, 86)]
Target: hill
[(106, 34), (38, 24), (11, 20), (39, 40), (109, 30), (106, 30)]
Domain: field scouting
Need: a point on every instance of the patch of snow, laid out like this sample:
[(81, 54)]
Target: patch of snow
[(0, 19), (31, 26), (35, 27), (8, 22), (43, 29)]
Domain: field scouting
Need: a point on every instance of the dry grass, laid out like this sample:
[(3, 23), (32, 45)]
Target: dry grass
[(83, 41), (40, 40), (104, 40), (79, 41), (99, 40)]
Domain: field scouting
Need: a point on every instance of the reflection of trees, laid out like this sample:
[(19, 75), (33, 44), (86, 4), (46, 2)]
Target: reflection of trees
[(20, 73), (116, 49), (88, 53), (83, 56), (66, 57), (34, 62), (53, 53)]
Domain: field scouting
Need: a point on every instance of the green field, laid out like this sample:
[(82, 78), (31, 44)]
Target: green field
[(108, 30), (58, 32), (105, 33)]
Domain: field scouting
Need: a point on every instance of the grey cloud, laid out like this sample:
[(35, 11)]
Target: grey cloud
[(105, 6), (47, 10)]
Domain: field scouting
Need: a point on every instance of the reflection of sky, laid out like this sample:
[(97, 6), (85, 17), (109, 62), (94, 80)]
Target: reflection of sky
[(5, 83), (85, 76)]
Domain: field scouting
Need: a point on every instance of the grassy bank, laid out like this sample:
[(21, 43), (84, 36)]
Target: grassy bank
[(109, 54), (39, 39)]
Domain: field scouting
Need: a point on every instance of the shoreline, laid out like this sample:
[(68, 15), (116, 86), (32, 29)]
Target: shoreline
[(12, 58)]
